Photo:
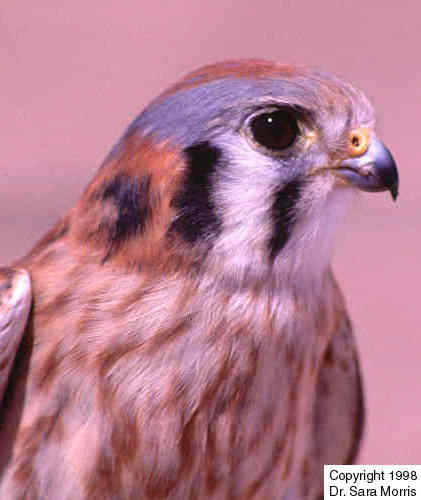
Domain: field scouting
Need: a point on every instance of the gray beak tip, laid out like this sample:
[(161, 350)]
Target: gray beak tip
[(394, 191)]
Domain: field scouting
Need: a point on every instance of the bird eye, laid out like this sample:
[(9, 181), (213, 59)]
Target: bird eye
[(275, 130)]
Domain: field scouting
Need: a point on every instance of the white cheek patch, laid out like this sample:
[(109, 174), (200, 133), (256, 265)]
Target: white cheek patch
[(243, 194), (321, 208)]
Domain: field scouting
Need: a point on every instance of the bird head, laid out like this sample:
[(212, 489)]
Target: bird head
[(245, 166)]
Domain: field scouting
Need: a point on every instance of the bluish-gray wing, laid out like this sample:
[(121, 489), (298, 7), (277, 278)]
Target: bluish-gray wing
[(15, 303)]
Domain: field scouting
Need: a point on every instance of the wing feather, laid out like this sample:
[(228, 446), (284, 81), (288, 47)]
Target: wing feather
[(339, 407), (15, 304)]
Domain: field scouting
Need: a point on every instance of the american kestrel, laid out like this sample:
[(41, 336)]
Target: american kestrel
[(187, 339)]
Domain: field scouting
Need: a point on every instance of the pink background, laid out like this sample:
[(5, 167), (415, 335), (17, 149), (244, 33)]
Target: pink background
[(73, 74)]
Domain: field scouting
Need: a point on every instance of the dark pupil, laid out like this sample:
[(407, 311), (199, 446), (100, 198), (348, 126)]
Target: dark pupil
[(276, 130)]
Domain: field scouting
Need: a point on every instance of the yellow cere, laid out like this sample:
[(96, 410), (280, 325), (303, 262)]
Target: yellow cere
[(359, 140)]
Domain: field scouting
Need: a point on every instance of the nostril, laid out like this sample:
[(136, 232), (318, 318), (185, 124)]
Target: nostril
[(356, 141)]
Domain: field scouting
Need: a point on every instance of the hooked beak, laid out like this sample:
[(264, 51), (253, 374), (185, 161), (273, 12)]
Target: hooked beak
[(372, 168)]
